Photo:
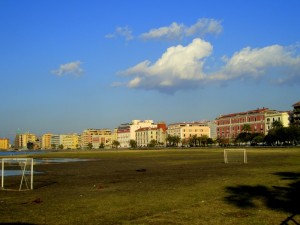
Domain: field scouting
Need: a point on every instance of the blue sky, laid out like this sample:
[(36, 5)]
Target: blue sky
[(70, 65)]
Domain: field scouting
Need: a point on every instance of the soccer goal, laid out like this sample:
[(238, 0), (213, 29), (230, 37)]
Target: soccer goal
[(17, 174), (235, 156)]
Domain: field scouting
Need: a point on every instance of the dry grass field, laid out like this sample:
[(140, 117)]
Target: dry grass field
[(159, 187)]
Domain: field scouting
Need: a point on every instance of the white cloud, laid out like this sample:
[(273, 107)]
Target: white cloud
[(177, 31), (172, 32), (125, 32), (177, 64), (71, 68), (181, 67), (260, 62)]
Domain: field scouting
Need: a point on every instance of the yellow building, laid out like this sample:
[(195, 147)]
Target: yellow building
[(4, 143), (46, 141), (188, 130), (22, 140), (69, 141)]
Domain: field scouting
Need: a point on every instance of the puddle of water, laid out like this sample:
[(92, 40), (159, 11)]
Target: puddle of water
[(41, 161)]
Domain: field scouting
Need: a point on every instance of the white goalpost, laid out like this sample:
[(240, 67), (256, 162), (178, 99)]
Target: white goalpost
[(22, 168), (235, 155)]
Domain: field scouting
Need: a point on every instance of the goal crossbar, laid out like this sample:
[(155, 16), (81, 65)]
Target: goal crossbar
[(235, 150), (23, 163)]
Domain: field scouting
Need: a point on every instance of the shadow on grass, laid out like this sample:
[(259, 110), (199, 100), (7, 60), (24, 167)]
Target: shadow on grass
[(285, 198)]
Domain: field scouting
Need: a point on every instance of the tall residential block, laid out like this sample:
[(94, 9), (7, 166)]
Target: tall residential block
[(295, 120), (46, 141)]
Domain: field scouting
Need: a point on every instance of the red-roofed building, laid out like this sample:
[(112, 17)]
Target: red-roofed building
[(230, 125), (146, 134)]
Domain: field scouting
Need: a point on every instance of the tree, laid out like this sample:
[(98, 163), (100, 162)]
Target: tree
[(133, 143), (173, 140), (277, 124), (193, 141), (30, 145), (101, 145), (61, 146), (53, 146), (115, 143), (152, 143), (203, 140), (246, 128), (89, 146)]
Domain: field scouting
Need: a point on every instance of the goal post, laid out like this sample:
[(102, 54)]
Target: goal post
[(22, 168), (235, 155)]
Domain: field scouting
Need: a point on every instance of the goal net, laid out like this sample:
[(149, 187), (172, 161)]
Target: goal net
[(17, 174), (235, 156)]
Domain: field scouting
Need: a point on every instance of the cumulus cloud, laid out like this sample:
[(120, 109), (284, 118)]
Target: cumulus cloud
[(177, 31), (125, 32), (177, 65), (71, 68), (182, 67)]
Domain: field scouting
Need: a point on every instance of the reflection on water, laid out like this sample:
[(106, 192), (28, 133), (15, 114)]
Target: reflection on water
[(41, 161)]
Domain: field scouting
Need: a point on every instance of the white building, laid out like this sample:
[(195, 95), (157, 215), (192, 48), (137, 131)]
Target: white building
[(146, 134), (126, 132)]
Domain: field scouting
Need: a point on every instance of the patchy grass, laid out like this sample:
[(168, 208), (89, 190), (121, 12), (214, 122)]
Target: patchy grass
[(159, 187)]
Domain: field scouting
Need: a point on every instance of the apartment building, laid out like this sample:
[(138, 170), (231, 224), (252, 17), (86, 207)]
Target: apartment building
[(146, 134), (88, 134), (230, 125), (4, 143), (126, 132), (186, 130), (46, 141), (22, 140), (295, 115), (104, 139), (69, 141), (55, 141)]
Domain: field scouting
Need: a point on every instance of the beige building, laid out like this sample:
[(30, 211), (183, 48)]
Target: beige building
[(4, 143), (88, 135), (187, 130), (104, 139), (273, 116), (46, 141), (145, 135), (22, 140)]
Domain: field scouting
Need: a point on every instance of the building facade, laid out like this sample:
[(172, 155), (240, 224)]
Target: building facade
[(271, 117), (295, 117), (46, 141), (231, 125), (187, 130), (55, 141), (146, 134), (22, 140), (126, 132), (88, 134), (4, 143), (69, 141)]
